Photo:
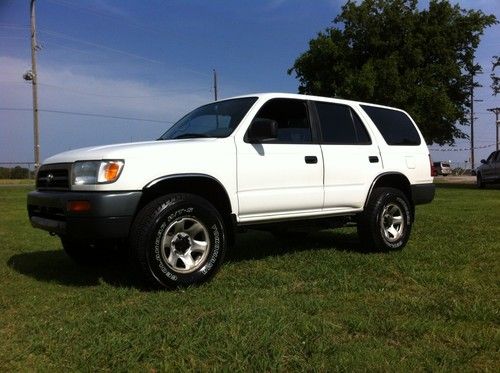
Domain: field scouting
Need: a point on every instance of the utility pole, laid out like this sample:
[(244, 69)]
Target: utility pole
[(472, 122), (34, 80), (472, 86), (215, 85), (497, 123)]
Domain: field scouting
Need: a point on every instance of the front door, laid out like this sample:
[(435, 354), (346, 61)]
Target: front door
[(283, 176)]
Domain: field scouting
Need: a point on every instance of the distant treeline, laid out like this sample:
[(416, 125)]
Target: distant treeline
[(17, 172)]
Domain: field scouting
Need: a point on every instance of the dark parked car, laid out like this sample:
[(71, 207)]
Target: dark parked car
[(489, 171)]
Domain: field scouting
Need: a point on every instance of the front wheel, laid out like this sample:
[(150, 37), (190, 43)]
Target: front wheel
[(177, 240), (386, 222)]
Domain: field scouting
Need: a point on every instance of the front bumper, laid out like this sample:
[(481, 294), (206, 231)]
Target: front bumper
[(110, 214)]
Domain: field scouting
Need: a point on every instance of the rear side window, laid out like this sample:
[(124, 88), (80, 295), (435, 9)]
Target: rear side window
[(395, 126), (341, 125)]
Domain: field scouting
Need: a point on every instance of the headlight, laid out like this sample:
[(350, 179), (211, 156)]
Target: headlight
[(96, 172)]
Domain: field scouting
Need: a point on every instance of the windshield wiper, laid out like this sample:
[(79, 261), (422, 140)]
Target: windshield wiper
[(189, 136)]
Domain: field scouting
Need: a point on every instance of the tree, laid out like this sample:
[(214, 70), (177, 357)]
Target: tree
[(19, 172), (389, 52), (495, 80)]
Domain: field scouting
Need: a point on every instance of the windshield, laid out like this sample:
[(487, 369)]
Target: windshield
[(218, 119)]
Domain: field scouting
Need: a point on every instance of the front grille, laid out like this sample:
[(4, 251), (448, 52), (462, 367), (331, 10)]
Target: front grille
[(54, 176)]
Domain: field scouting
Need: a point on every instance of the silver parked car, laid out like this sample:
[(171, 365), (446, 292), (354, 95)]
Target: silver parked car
[(442, 168)]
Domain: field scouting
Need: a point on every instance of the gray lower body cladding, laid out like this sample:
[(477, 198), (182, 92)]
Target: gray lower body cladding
[(110, 214)]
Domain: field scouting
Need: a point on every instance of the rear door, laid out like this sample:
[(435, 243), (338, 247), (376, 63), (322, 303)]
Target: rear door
[(400, 141), (352, 160), (283, 176)]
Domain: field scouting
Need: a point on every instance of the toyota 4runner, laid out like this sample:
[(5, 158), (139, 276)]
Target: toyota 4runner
[(268, 161)]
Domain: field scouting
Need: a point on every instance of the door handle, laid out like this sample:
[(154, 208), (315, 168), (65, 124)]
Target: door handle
[(311, 159), (373, 159)]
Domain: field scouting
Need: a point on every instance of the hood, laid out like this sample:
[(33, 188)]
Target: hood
[(123, 151)]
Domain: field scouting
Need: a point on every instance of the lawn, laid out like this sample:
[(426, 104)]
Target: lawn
[(16, 182), (317, 303)]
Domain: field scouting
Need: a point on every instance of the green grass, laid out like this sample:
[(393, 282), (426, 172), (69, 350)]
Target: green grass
[(17, 182), (312, 304)]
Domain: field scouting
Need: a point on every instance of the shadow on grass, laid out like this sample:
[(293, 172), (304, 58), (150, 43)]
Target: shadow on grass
[(56, 266), (259, 245)]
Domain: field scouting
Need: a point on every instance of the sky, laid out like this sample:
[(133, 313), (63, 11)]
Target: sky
[(141, 65)]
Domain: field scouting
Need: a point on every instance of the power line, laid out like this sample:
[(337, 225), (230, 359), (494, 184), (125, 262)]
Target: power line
[(51, 33), (88, 115), (14, 27), (165, 93), (51, 42), (115, 50), (70, 5), (128, 21), (12, 37), (96, 45), (118, 96), (461, 149)]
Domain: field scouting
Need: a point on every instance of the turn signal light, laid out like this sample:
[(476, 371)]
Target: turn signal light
[(111, 171), (78, 206)]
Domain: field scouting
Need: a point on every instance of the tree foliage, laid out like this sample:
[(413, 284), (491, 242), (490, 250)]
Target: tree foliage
[(17, 172), (495, 80), (389, 52)]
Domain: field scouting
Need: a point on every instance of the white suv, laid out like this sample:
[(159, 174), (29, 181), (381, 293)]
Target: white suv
[(267, 161)]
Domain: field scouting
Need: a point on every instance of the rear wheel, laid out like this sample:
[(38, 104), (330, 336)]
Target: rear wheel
[(386, 222), (177, 240)]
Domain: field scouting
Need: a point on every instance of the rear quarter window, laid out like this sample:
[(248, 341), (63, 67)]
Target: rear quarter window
[(395, 126), (341, 125)]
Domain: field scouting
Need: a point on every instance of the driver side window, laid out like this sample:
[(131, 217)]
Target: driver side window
[(293, 120)]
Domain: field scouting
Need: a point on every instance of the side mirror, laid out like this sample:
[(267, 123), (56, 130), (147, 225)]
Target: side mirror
[(262, 129), (483, 161)]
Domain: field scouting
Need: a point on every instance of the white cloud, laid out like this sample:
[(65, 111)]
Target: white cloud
[(79, 92), (63, 89)]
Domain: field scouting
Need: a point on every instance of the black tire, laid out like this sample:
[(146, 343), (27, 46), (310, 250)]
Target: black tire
[(170, 219), (86, 252), (373, 223), (479, 181)]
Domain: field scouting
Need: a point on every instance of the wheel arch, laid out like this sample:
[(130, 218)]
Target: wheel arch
[(393, 180), (203, 185)]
